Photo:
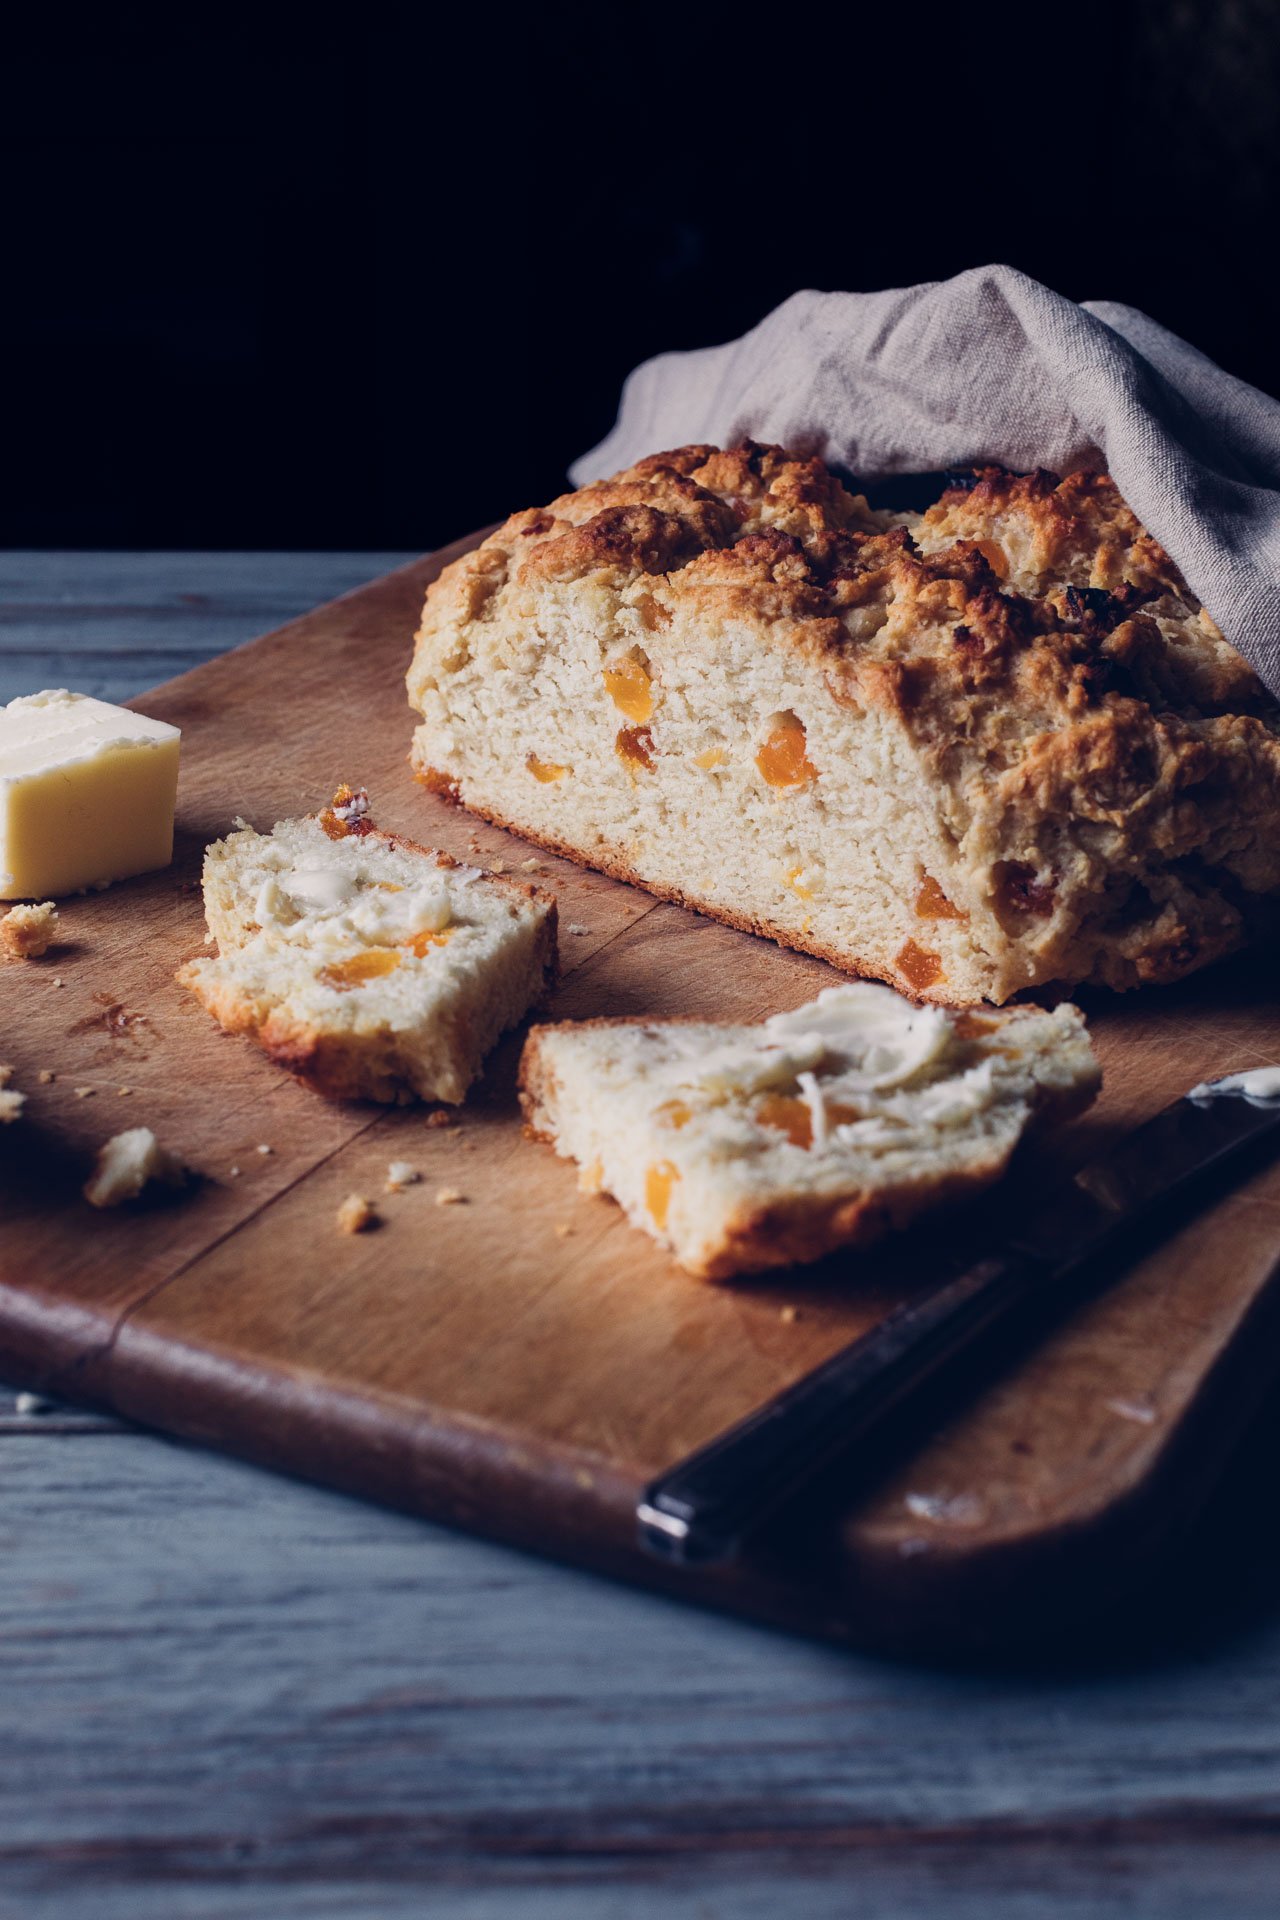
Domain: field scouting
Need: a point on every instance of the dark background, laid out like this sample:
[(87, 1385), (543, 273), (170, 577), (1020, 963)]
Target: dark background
[(277, 283)]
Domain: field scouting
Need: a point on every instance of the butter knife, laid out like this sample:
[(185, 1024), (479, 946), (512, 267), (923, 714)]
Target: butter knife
[(701, 1510)]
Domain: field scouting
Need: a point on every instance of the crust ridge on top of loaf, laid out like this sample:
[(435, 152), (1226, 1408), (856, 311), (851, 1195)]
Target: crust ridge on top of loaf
[(1048, 733)]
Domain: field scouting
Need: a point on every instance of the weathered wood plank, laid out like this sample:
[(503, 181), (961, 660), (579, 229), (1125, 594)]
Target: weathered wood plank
[(112, 624), (211, 1679)]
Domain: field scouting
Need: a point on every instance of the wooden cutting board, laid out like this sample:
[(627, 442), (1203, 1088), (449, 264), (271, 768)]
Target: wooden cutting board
[(522, 1363)]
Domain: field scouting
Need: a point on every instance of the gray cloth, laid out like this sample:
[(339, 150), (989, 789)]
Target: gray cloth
[(993, 366)]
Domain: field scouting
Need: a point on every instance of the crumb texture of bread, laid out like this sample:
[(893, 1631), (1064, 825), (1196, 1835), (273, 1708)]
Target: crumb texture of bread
[(741, 1148), (126, 1164), (969, 752), (356, 1214), (27, 932), (368, 966)]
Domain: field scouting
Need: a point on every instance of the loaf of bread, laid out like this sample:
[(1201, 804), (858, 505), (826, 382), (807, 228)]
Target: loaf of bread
[(746, 1147), (368, 966), (967, 752)]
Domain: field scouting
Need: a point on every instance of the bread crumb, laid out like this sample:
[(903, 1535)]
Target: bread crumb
[(29, 1403), (27, 932), (531, 866), (123, 1090), (235, 1173), (575, 927), (789, 1315), (126, 1164), (563, 1229), (56, 982), (355, 1215), (440, 1118), (401, 1174), (264, 1148), (450, 1197), (11, 1101), (497, 866), (85, 1093), (46, 1076)]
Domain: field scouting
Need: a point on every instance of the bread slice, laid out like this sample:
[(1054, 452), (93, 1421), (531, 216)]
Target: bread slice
[(969, 752), (370, 967), (747, 1147)]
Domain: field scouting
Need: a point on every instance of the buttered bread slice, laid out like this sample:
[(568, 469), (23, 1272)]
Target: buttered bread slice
[(967, 752), (368, 966), (747, 1147)]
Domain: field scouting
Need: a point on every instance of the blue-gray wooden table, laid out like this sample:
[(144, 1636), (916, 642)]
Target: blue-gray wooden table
[(223, 1694)]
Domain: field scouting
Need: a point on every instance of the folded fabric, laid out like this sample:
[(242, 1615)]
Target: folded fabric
[(992, 366)]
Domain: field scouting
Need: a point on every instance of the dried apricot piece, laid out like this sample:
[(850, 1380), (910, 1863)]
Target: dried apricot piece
[(783, 760), (544, 770), (370, 963), (933, 904), (918, 967), (635, 746), (630, 688), (659, 1179), (787, 1114)]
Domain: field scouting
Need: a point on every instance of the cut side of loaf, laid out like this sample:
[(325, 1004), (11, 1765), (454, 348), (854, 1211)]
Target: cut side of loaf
[(746, 1147), (369, 967), (969, 752)]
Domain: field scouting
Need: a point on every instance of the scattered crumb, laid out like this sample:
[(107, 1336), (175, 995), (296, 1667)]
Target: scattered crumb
[(401, 1174), (441, 1117), (1140, 1411), (235, 1173), (46, 1076), (355, 1215), (947, 1509), (531, 866), (350, 804), (85, 1093), (11, 1101), (563, 1229), (789, 1315), (450, 1197), (33, 1403), (239, 823), (27, 932), (264, 1148), (123, 1090), (497, 866), (57, 981), (575, 927), (125, 1165)]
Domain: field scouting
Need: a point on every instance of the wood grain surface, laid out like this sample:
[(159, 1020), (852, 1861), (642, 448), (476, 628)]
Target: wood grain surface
[(226, 1696), (521, 1363)]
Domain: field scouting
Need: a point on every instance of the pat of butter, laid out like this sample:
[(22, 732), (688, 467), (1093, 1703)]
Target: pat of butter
[(87, 794)]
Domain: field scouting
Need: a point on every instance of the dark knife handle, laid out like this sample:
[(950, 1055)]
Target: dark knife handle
[(701, 1510)]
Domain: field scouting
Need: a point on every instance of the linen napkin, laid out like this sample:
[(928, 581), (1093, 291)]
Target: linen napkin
[(995, 366)]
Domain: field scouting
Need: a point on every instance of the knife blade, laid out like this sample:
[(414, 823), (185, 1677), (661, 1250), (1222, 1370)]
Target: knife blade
[(702, 1509)]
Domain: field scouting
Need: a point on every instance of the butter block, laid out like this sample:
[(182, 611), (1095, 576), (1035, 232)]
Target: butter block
[(87, 794)]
